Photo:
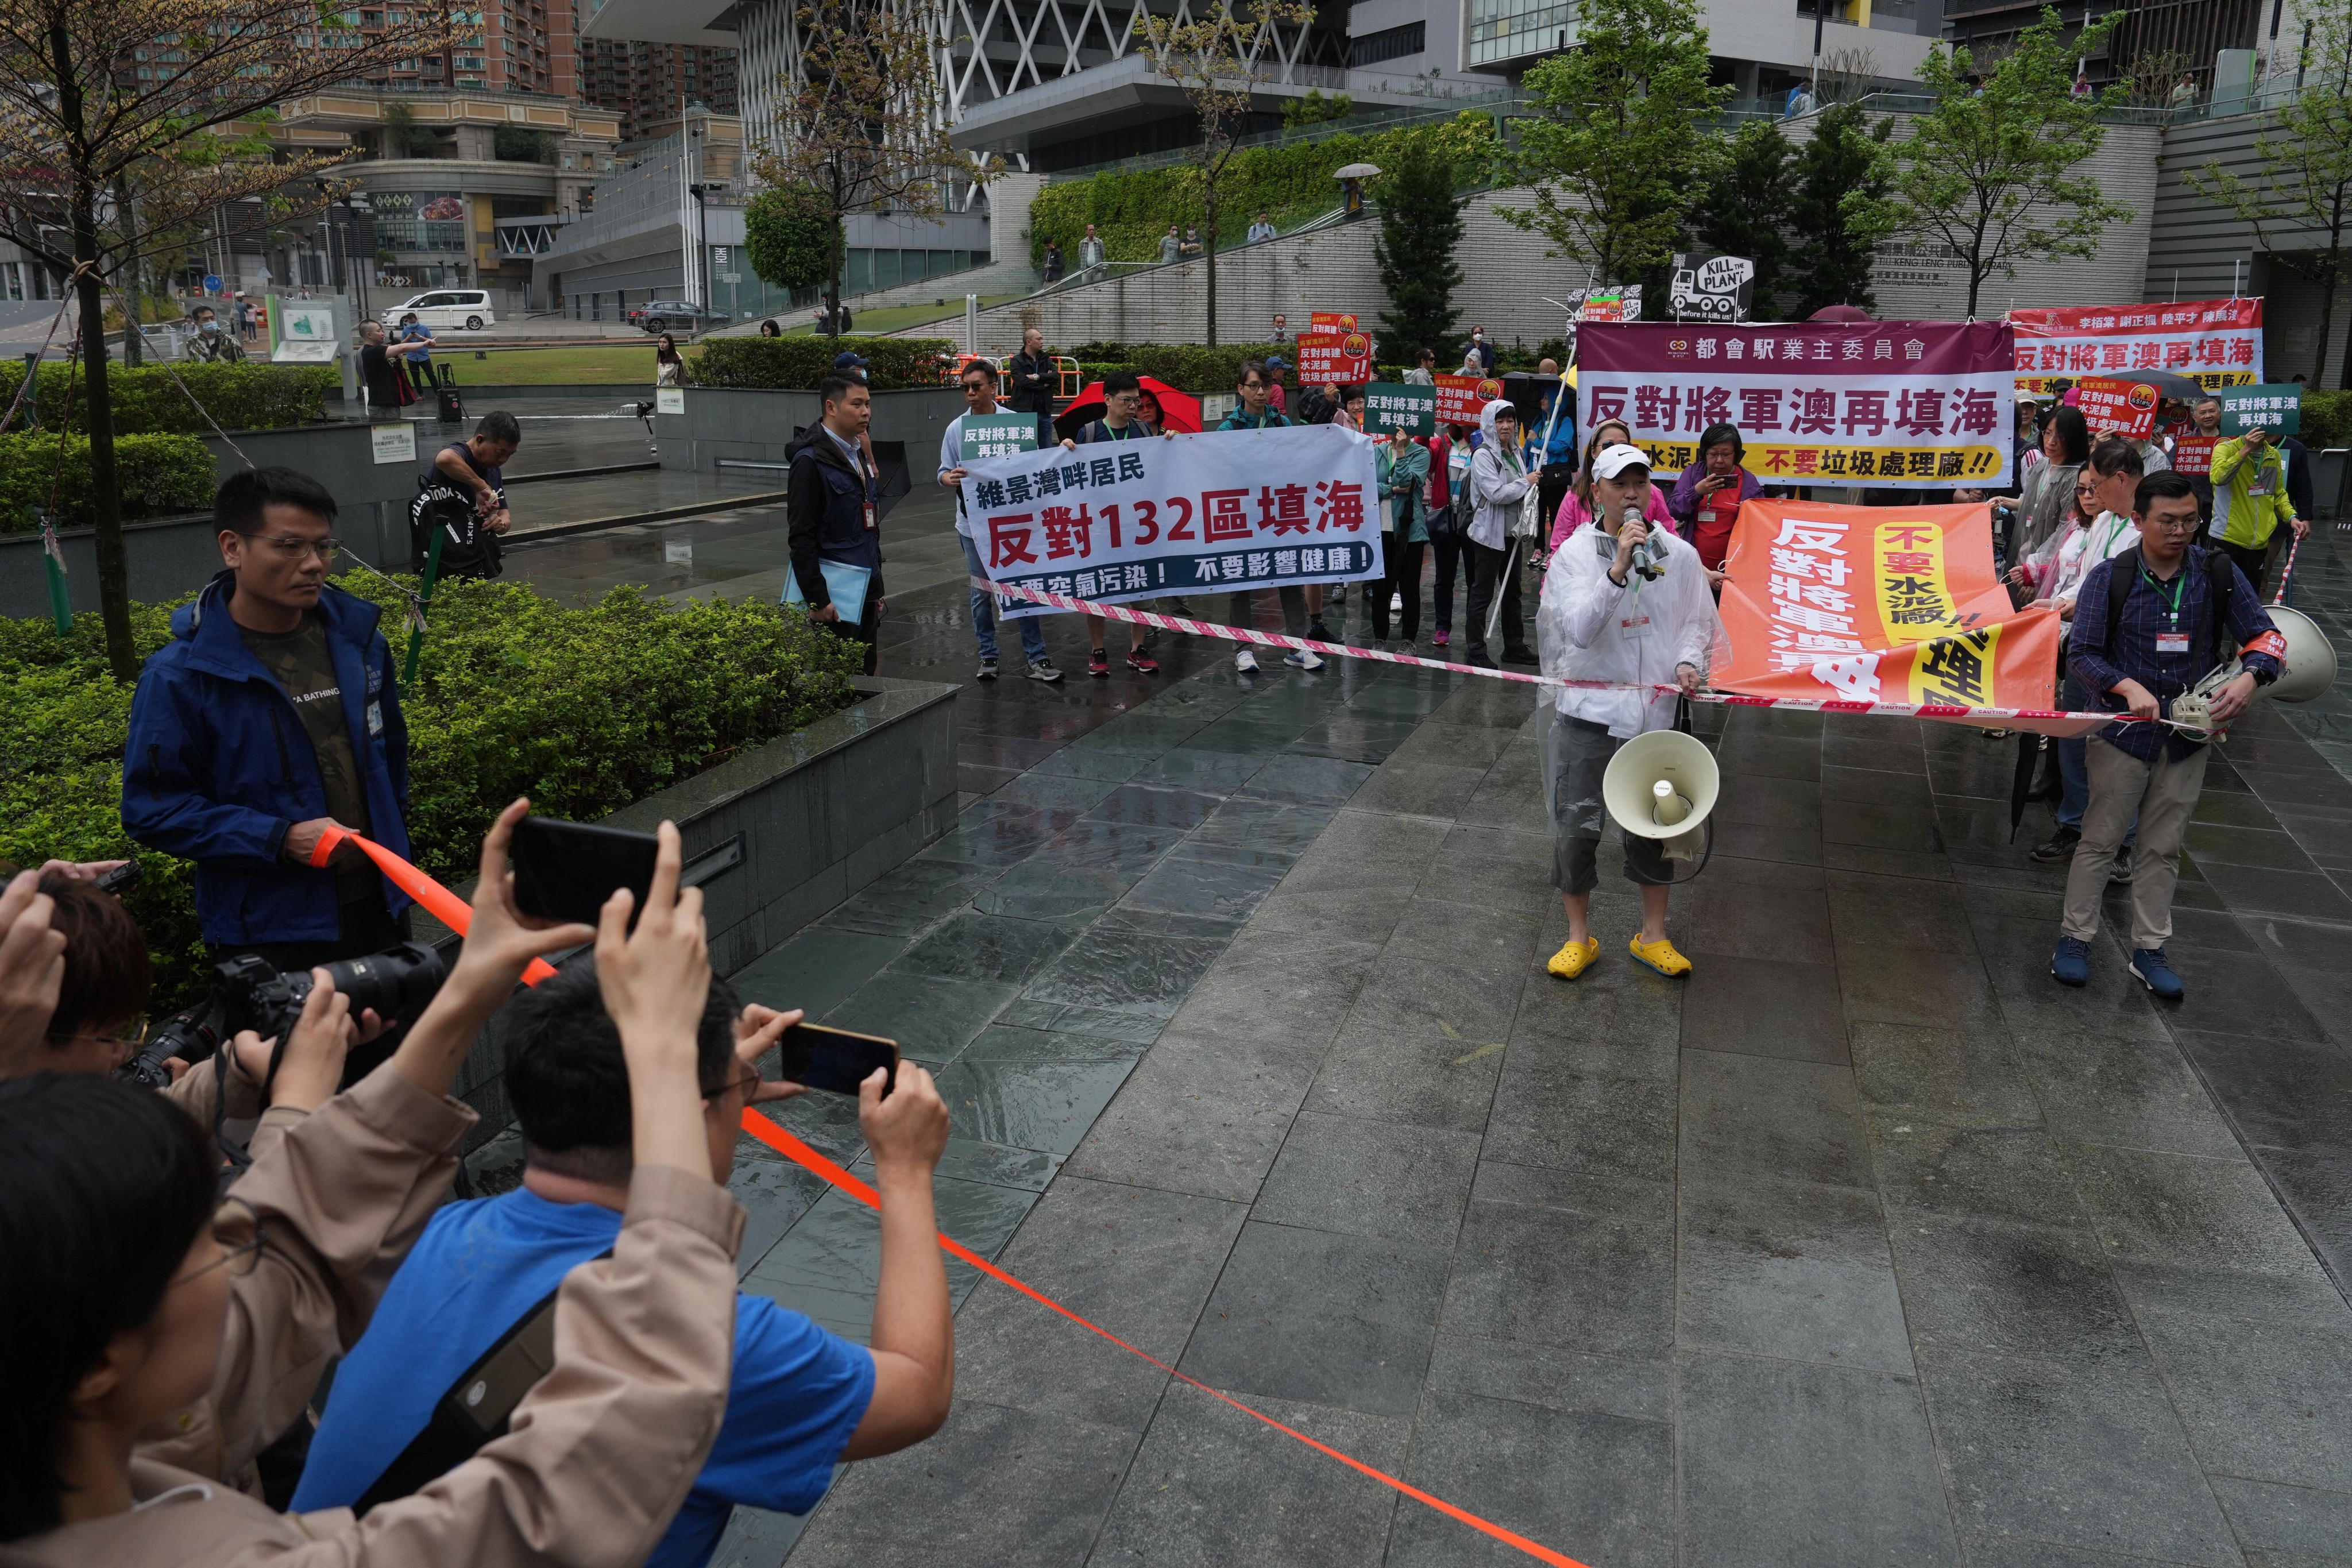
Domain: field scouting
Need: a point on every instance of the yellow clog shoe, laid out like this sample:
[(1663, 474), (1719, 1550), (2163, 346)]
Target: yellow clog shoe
[(1573, 958), (1661, 956)]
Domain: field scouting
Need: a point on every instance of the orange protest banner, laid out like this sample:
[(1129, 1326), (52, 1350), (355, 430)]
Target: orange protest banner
[(1461, 398), (1879, 605)]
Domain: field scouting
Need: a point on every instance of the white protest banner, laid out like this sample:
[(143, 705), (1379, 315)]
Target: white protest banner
[(1918, 404), (1232, 510), (2214, 343)]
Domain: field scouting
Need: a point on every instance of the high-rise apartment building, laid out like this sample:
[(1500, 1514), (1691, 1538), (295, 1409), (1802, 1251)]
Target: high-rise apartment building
[(520, 46), (644, 83)]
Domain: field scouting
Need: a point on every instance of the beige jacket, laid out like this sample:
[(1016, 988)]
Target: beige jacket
[(601, 1453)]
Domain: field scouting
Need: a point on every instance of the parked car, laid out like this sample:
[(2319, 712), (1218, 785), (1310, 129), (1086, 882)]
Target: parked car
[(659, 316), (467, 307)]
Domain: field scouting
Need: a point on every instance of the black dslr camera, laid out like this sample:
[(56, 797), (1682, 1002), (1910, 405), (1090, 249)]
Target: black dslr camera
[(250, 993)]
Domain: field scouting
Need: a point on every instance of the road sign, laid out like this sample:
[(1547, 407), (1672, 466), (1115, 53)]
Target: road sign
[(212, 283)]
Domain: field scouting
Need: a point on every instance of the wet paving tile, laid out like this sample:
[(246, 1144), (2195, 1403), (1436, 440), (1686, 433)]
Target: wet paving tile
[(930, 1016), (1117, 969), (969, 945), (909, 898), (1040, 1105)]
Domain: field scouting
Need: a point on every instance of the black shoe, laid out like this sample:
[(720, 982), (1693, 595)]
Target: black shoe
[(1317, 632), (2120, 873), (1520, 656), (2061, 846), (1479, 661)]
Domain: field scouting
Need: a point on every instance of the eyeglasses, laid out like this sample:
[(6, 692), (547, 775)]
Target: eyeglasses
[(294, 549), (239, 1231)]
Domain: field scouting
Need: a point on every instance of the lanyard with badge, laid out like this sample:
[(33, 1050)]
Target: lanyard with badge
[(1633, 624), (2172, 640)]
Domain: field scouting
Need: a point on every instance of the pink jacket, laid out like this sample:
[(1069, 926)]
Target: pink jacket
[(1572, 515)]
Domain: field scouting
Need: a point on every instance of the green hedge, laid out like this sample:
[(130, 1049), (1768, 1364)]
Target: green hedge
[(2326, 419), (1131, 211), (801, 363), (583, 710), (158, 476), (146, 401), (1188, 367)]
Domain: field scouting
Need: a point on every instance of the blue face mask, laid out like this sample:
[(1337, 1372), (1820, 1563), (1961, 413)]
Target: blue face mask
[(210, 327)]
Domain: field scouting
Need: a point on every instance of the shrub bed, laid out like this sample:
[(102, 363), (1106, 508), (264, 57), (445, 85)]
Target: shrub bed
[(1132, 210), (2326, 419), (582, 711), (800, 364), (158, 476), (146, 401)]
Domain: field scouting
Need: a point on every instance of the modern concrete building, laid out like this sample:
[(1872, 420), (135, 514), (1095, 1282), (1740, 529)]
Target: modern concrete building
[(459, 187)]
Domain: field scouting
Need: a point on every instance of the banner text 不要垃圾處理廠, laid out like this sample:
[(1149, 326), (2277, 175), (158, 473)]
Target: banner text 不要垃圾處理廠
[(1238, 510), (1888, 604), (2214, 343), (1912, 405)]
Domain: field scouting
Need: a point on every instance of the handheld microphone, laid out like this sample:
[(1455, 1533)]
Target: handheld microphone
[(1649, 556)]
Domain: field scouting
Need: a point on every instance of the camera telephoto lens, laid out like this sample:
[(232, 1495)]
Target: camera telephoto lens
[(397, 983)]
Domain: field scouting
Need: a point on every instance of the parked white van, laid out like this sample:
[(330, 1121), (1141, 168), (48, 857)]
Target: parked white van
[(467, 307)]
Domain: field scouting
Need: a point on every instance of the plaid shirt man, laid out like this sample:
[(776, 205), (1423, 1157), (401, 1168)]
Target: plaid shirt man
[(2147, 612)]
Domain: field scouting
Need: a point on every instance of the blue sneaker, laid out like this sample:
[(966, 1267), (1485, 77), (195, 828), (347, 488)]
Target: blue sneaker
[(2071, 965), (2156, 972)]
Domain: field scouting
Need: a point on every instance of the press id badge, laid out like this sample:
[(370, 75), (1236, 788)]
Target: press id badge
[(870, 518), (2172, 642), (1634, 627), (2260, 485)]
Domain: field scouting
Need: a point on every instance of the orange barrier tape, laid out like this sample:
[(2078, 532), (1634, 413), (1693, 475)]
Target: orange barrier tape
[(438, 902), (800, 1153), (457, 915)]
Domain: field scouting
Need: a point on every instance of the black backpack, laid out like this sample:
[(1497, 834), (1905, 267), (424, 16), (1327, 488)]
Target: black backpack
[(467, 549)]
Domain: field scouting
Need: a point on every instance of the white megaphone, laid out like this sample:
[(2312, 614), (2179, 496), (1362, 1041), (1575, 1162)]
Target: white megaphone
[(2309, 667), (1661, 786)]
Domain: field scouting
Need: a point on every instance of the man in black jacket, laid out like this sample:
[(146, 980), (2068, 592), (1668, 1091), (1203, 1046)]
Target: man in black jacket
[(1031, 375), (833, 513)]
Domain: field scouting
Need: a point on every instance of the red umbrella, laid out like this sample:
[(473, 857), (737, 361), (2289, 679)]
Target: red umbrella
[(1179, 411), (1841, 313)]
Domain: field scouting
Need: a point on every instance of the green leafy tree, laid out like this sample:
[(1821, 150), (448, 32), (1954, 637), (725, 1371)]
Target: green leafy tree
[(1747, 210), (791, 241), (1315, 109), (1618, 148), (2299, 206), (1421, 224), (1840, 212), (1985, 171)]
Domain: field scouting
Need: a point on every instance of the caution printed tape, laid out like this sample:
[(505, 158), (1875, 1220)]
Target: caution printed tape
[(2047, 720)]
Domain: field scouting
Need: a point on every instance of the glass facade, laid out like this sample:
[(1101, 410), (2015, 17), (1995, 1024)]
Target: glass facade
[(1510, 29)]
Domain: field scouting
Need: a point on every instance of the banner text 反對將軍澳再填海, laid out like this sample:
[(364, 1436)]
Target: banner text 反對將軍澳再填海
[(2214, 343), (1900, 405), (1237, 510)]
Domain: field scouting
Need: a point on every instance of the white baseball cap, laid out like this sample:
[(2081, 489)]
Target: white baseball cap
[(1614, 460)]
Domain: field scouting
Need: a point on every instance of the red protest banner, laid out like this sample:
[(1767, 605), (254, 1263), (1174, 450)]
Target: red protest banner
[(2215, 342), (1460, 397), (2193, 454), (1327, 357), (1332, 322), (2126, 407)]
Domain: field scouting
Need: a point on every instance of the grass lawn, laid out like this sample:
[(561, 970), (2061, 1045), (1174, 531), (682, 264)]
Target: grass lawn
[(625, 363)]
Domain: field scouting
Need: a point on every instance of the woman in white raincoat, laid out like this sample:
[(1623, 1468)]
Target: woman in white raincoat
[(1626, 603)]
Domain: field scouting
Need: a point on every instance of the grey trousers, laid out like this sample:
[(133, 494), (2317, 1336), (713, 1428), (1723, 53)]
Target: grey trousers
[(1580, 752), (2161, 795), (1294, 609)]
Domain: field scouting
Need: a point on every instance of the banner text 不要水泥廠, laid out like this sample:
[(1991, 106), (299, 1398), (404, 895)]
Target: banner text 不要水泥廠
[(1901, 404), (2214, 343), (1237, 510), (1879, 605)]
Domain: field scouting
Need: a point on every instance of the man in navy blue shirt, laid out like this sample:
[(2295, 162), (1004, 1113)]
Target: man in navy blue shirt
[(2148, 626), (801, 1399)]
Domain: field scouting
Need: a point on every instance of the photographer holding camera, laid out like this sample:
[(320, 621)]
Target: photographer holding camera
[(152, 1295), (268, 718)]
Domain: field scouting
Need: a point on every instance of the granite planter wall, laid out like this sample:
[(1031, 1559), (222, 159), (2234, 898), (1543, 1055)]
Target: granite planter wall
[(778, 837), (171, 556), (736, 430)]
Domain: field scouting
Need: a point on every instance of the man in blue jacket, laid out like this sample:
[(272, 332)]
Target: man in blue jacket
[(268, 718)]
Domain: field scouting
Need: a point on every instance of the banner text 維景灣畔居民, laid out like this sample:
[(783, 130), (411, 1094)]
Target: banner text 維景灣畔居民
[(1254, 509), (1885, 604), (1914, 405), (2214, 343)]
